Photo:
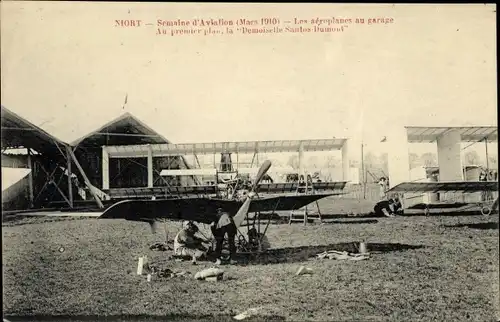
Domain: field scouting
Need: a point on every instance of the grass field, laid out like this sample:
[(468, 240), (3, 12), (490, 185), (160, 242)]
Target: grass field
[(442, 268)]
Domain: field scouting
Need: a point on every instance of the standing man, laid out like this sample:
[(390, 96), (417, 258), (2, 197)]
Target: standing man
[(220, 228)]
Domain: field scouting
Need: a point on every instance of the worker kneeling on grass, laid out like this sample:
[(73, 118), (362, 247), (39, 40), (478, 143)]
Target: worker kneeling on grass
[(186, 244), (220, 228), (389, 207)]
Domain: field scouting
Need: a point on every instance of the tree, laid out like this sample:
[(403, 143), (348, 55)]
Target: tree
[(277, 163), (332, 162), (414, 161), (370, 160), (384, 162), (429, 159), (492, 162), (472, 158), (293, 161), (313, 161)]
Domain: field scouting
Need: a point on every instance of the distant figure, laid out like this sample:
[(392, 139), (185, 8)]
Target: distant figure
[(388, 208), (482, 176), (383, 182), (187, 244), (267, 178), (486, 176)]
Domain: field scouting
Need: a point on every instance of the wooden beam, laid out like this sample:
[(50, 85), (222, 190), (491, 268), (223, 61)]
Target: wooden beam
[(62, 194), (86, 179), (150, 167), (301, 158), (30, 178), (105, 169), (70, 173)]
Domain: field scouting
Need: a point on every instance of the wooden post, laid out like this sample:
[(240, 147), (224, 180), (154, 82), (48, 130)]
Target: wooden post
[(363, 170), (487, 161), (70, 173), (105, 169), (301, 159), (150, 167), (86, 179), (30, 178)]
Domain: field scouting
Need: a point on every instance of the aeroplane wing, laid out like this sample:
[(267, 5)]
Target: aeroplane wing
[(201, 191), (458, 186), (196, 209), (292, 187), (201, 210), (439, 205), (283, 203)]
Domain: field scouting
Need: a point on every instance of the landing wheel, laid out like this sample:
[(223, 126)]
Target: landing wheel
[(426, 211), (485, 211)]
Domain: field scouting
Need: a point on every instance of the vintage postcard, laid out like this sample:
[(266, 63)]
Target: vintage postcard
[(249, 161)]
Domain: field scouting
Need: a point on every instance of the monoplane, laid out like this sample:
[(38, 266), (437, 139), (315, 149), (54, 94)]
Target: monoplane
[(204, 209), (488, 204)]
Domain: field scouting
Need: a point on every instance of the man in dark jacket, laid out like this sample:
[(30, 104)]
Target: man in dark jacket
[(388, 208), (220, 228)]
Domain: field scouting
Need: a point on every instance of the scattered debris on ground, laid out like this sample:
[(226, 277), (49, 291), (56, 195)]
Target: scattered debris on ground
[(162, 247), (210, 274), (304, 271), (333, 254), (246, 314), (165, 272)]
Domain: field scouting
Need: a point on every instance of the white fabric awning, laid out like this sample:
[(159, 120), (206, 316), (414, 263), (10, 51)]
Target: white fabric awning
[(422, 134)]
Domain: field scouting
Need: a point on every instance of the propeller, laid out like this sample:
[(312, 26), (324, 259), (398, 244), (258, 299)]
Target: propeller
[(242, 212)]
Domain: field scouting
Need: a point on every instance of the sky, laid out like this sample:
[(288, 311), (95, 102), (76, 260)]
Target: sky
[(67, 67)]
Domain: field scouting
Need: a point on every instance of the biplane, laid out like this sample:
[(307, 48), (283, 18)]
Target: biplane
[(487, 205), (204, 209), (449, 185)]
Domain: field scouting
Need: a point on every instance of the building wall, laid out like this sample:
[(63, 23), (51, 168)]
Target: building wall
[(126, 172), (133, 172), (15, 160), (130, 172), (161, 163), (91, 161)]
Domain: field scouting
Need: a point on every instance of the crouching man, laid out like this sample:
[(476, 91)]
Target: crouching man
[(186, 244), (389, 207), (220, 228)]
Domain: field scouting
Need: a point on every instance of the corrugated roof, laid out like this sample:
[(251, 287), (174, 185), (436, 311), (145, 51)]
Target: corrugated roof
[(17, 132), (124, 130), (423, 134)]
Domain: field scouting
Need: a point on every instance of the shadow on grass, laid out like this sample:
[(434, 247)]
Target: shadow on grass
[(303, 253), (358, 221), (454, 213), (482, 226), (284, 216), (416, 212), (10, 221), (170, 317)]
